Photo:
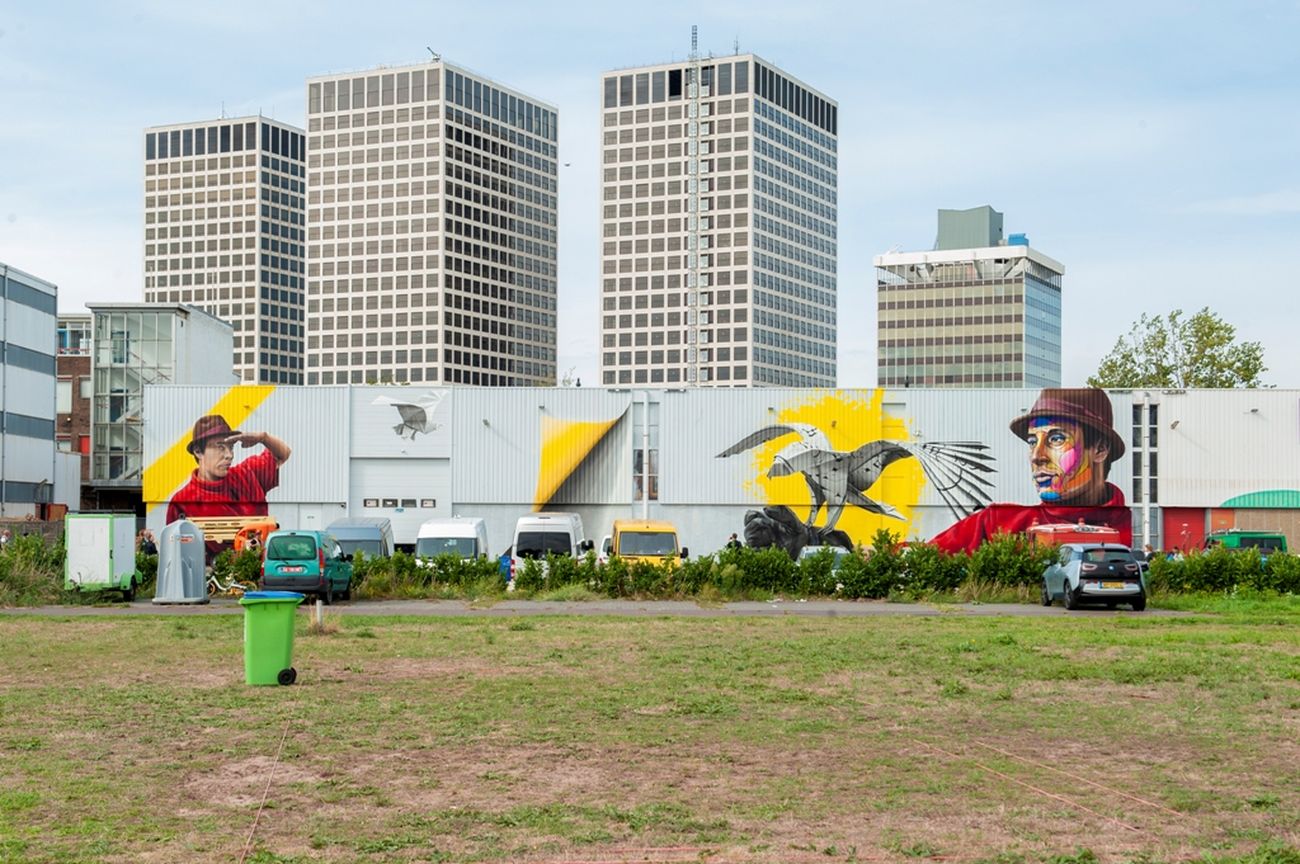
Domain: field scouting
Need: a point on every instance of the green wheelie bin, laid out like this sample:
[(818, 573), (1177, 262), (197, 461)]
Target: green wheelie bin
[(268, 636)]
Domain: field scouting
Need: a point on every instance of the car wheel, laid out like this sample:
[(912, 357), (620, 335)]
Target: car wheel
[(1071, 597), (1047, 595), (346, 593), (327, 596), (1139, 602), (128, 593)]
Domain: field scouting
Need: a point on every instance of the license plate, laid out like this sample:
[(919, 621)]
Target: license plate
[(1119, 585), (292, 569)]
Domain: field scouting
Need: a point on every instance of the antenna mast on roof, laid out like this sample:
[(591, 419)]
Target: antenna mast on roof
[(434, 56)]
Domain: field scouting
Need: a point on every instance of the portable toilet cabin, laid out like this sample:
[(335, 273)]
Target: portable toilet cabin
[(181, 577), (100, 553)]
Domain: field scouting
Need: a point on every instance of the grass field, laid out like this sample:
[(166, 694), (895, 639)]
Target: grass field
[(615, 739)]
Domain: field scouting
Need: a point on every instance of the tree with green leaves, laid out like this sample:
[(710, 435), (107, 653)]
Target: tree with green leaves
[(1179, 351)]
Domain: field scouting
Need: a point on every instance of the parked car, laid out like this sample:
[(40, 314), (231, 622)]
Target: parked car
[(370, 535), (1095, 573), (548, 533), (460, 536), (309, 562), (643, 540), (837, 554), (1266, 542)]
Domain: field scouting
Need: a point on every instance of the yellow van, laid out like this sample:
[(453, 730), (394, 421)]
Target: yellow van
[(644, 540)]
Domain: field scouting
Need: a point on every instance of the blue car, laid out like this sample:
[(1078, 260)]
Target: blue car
[(1106, 573)]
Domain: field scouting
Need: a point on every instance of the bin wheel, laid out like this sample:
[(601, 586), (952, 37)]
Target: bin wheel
[(287, 676)]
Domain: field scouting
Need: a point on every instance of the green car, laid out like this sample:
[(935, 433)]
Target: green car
[(1267, 542), (309, 562)]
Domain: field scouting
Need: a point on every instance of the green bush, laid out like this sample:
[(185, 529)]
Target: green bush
[(928, 569), (1221, 570), (31, 572), (1010, 559), (245, 566), (404, 576)]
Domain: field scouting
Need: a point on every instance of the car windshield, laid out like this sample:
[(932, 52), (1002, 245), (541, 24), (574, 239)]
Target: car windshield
[(647, 543), (539, 544), (370, 548), (1108, 556), (432, 547), (291, 548)]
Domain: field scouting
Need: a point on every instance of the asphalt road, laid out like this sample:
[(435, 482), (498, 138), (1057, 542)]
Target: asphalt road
[(634, 608)]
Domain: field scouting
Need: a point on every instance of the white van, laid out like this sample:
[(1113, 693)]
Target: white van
[(462, 536), (540, 534), (370, 535)]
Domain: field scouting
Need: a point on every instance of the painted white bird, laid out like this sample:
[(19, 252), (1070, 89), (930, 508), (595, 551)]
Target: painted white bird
[(838, 478), (417, 414)]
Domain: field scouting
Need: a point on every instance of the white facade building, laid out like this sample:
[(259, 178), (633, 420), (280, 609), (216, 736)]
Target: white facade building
[(432, 229), (225, 225), (28, 328), (137, 345), (718, 222)]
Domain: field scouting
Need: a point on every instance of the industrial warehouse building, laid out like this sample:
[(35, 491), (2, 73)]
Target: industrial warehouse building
[(1180, 463)]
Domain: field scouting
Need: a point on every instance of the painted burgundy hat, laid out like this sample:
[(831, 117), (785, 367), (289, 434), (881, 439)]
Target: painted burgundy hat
[(209, 426), (1084, 405)]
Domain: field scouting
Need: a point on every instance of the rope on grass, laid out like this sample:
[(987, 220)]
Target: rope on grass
[(1060, 798), (1082, 780), (248, 844)]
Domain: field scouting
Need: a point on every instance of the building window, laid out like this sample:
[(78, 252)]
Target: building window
[(648, 478)]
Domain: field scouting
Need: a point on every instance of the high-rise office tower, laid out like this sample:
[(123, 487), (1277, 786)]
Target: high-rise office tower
[(225, 213), (718, 259), (432, 229), (976, 311)]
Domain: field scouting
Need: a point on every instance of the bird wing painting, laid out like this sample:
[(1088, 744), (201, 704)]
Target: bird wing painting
[(837, 479), (415, 411)]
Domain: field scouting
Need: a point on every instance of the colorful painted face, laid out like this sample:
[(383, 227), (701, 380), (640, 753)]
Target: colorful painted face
[(1064, 469)]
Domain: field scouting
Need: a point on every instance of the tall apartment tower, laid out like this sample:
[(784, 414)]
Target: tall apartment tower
[(976, 311), (225, 230), (718, 259), (432, 239)]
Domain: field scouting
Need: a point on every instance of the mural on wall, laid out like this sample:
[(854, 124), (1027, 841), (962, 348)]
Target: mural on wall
[(860, 470), (842, 478), (564, 450), (1072, 445), (416, 413)]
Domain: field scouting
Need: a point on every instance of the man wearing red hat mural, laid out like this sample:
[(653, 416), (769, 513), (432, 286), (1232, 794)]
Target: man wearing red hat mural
[(1072, 444), (219, 488)]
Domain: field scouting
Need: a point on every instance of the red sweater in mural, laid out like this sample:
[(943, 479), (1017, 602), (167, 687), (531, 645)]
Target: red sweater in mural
[(242, 492), (969, 533)]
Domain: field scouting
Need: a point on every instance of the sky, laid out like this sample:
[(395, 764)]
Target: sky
[(1150, 147)]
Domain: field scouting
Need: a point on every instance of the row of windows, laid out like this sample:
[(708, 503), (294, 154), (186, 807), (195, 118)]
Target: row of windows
[(781, 267), (788, 159), (644, 88), (26, 358), (802, 367), (794, 181), (225, 138), (948, 321), (23, 294), (775, 87), (27, 426), (801, 326), (797, 143), (501, 106), (792, 124), (795, 217), (823, 300), (766, 187), (372, 91), (793, 252)]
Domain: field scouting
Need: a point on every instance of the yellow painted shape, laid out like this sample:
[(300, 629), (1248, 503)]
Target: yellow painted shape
[(170, 471), (565, 443), (849, 419)]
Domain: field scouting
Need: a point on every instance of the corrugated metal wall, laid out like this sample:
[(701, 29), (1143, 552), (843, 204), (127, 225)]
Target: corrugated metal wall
[(1215, 444)]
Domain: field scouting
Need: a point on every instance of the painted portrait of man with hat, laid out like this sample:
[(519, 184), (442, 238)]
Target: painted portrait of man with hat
[(1072, 444), (220, 486)]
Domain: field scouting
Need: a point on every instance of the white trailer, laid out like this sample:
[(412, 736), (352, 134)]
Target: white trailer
[(100, 553)]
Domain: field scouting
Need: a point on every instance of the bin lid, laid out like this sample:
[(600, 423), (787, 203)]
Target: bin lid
[(251, 597)]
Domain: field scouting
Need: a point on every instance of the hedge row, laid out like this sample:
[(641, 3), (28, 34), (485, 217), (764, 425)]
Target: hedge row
[(31, 572)]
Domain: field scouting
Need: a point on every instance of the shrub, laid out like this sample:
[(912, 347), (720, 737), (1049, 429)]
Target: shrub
[(245, 566), (928, 569), (31, 572), (1010, 559)]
